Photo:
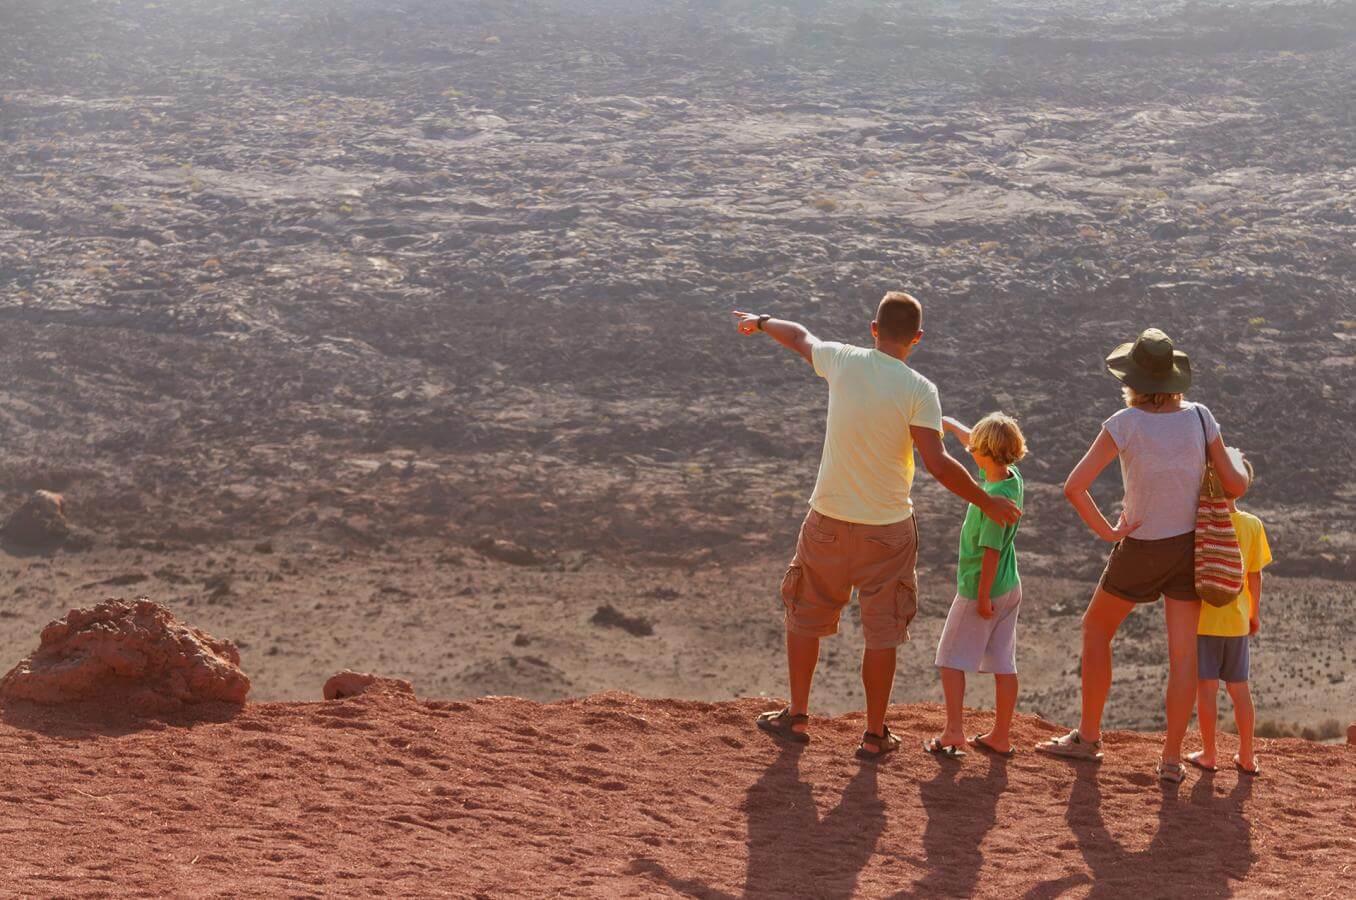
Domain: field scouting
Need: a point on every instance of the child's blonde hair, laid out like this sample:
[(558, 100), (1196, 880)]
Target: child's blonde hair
[(998, 437)]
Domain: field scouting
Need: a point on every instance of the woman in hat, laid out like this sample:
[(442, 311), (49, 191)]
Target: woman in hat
[(1162, 442)]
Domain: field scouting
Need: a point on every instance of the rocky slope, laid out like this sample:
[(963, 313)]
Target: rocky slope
[(329, 268), (397, 336)]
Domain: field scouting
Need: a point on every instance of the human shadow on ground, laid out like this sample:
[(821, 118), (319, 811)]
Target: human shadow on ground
[(792, 852), (961, 809), (1202, 842)]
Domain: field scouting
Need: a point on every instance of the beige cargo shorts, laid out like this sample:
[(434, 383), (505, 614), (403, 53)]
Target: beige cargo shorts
[(832, 557)]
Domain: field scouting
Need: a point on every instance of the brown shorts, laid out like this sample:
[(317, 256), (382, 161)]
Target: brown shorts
[(833, 557), (1143, 571)]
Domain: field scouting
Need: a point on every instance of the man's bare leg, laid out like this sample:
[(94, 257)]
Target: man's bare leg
[(878, 679), (802, 656)]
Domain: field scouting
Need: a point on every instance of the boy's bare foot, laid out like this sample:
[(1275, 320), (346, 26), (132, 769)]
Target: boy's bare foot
[(1200, 760), (952, 738), (988, 739)]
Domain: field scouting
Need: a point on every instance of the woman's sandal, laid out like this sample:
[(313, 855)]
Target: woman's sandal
[(884, 743), (780, 724), (1174, 773), (937, 748), (1255, 773), (1072, 746)]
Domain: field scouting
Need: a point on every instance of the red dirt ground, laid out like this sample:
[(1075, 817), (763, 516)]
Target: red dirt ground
[(621, 797)]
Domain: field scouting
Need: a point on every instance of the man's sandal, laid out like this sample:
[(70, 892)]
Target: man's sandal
[(884, 743), (1174, 773), (1071, 746), (937, 748), (781, 724)]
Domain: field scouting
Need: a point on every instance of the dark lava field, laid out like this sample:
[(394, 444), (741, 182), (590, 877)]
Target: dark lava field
[(362, 272)]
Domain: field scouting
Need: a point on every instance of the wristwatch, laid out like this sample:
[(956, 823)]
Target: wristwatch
[(763, 320)]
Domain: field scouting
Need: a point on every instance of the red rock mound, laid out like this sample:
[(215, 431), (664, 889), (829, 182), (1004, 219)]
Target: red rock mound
[(136, 652), (614, 796)]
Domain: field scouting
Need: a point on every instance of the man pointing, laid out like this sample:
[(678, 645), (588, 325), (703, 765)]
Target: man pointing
[(860, 531)]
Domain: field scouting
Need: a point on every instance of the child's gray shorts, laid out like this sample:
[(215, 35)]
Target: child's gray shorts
[(975, 644), (1222, 658)]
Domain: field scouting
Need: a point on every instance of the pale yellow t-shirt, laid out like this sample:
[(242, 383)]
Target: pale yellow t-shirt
[(866, 472), (1232, 620)]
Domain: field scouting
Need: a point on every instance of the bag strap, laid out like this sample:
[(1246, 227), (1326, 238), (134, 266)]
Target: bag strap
[(1205, 433), (1209, 481)]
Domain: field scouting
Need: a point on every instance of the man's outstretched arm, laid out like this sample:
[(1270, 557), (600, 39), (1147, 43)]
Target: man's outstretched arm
[(790, 335), (954, 477)]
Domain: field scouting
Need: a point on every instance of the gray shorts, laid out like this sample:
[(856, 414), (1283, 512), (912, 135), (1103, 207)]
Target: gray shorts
[(974, 644), (1222, 658)]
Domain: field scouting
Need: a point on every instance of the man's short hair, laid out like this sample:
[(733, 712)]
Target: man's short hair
[(898, 317)]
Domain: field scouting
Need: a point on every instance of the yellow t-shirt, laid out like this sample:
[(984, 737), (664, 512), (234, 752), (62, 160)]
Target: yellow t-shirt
[(866, 472), (1232, 620)]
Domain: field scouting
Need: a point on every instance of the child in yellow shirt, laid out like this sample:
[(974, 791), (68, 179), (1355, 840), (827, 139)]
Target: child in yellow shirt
[(1222, 647)]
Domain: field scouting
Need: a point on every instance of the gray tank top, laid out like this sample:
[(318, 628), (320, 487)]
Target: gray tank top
[(1162, 460)]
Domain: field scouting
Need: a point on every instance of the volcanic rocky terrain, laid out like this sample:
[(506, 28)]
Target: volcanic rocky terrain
[(396, 336)]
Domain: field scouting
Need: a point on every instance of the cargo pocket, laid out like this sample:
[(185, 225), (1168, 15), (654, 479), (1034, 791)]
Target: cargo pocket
[(906, 605), (791, 587)]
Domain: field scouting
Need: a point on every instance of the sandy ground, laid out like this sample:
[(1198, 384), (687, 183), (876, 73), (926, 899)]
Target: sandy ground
[(458, 624), (616, 796)]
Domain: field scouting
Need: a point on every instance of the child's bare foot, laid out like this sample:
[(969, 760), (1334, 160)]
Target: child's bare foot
[(1001, 744), (952, 739), (1201, 760)]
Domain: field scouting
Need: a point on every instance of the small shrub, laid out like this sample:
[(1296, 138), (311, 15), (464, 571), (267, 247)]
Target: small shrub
[(1270, 728)]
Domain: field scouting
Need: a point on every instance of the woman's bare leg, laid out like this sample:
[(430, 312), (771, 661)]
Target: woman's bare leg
[(1105, 614), (1183, 616)]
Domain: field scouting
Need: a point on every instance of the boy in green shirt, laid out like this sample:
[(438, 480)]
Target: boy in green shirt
[(980, 634)]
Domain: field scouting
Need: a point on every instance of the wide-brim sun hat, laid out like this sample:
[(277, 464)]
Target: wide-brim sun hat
[(1150, 364)]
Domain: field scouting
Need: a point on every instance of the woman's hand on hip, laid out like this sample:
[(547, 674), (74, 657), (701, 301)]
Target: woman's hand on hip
[(1123, 529)]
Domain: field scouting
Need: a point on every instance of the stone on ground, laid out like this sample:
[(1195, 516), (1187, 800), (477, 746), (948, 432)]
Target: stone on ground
[(350, 684), (41, 520)]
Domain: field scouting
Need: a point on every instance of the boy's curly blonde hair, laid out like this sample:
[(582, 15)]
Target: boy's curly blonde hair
[(998, 437)]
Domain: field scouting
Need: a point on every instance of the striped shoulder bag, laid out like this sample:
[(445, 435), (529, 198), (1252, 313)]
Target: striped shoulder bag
[(1219, 562)]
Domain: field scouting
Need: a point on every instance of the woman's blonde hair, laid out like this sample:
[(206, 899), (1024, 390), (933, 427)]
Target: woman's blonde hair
[(1135, 398), (998, 437)]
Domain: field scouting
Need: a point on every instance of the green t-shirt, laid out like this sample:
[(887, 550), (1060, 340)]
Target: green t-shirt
[(979, 532)]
